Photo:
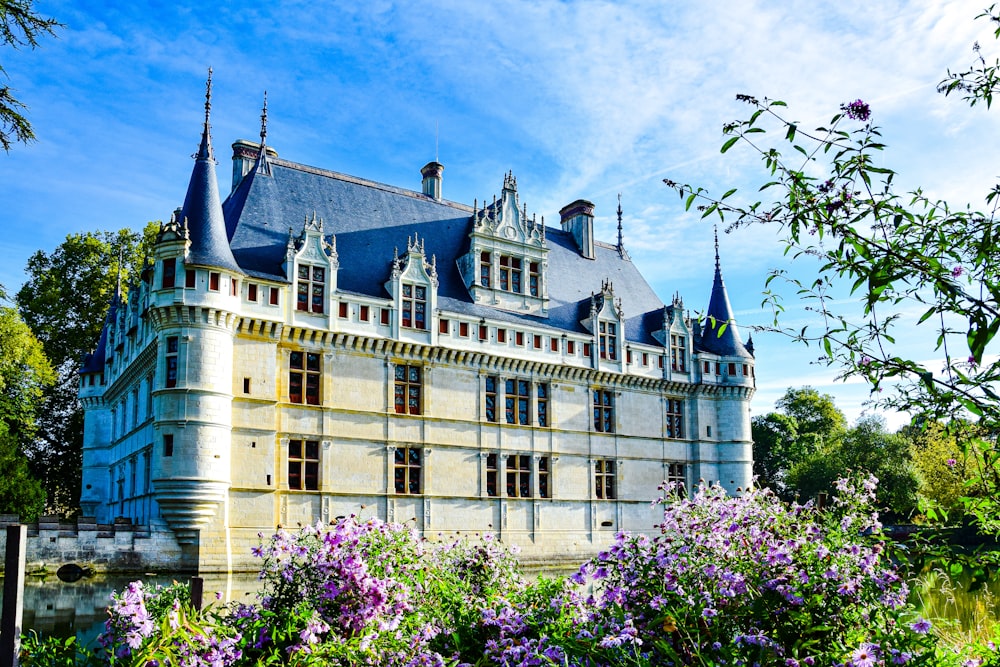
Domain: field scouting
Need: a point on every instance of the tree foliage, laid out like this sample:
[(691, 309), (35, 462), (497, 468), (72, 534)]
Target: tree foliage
[(20, 26), (21, 492), (65, 302), (947, 472), (895, 252)]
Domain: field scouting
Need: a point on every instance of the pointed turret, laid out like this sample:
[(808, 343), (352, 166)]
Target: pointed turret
[(202, 210), (719, 315), (93, 362)]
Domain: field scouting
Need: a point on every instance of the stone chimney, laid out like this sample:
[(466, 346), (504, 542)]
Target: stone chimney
[(578, 219), (432, 179), (245, 157)]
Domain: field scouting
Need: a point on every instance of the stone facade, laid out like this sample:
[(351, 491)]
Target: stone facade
[(318, 345)]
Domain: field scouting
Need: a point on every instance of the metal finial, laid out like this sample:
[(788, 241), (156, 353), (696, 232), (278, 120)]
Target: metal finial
[(208, 96), (263, 121), (620, 244), (715, 227)]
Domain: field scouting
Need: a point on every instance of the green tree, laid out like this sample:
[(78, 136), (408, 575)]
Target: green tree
[(948, 473), (20, 26), (806, 422), (895, 252), (866, 448), (65, 302), (21, 492)]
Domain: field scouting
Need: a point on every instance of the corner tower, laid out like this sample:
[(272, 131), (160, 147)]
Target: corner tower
[(195, 295)]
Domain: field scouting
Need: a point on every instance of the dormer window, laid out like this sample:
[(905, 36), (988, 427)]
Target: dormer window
[(678, 353), (485, 267), (311, 288), (608, 338), (510, 274), (534, 278), (414, 309)]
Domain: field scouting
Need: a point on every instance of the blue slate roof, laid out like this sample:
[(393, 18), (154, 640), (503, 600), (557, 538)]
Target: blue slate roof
[(371, 219), (719, 317)]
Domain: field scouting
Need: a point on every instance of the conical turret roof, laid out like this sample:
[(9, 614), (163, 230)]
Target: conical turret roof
[(202, 210), (719, 317)]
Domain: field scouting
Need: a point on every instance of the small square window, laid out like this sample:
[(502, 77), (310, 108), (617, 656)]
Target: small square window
[(554, 344), (586, 350), (484, 332), (169, 272), (537, 342), (732, 369), (234, 287), (570, 347), (246, 385), (519, 338), (168, 445), (501, 335)]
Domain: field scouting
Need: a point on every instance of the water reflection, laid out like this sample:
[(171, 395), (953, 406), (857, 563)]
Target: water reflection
[(60, 609)]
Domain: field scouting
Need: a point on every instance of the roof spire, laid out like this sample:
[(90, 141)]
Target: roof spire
[(263, 122), (621, 242), (205, 149), (715, 228), (720, 335)]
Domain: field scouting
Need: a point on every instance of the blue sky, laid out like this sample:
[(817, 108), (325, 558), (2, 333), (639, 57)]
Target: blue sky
[(579, 99)]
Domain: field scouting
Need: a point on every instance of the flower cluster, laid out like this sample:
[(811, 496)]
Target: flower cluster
[(724, 581), (857, 110)]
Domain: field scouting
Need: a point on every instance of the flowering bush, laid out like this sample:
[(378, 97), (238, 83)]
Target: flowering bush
[(725, 581)]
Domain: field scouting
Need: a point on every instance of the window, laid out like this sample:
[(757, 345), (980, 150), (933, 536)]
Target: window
[(444, 326), (510, 274), (484, 332), (342, 310), (246, 385), (131, 476), (519, 338), (543, 477), (675, 418), (168, 445), (746, 370), (628, 356), (172, 346), (718, 368), (608, 338), (310, 288), (484, 269), (533, 278), (384, 316), (463, 329), (501, 335), (213, 281), (537, 342), (147, 467), (707, 367), (135, 407), (542, 414), (364, 313), (406, 470), (645, 359), (252, 292), (678, 352), (732, 369), (234, 287), (604, 479), (407, 389), (303, 465), (604, 411), (676, 475), (415, 306), (586, 350), (274, 296), (190, 277), (570, 347), (303, 373), (518, 399), (169, 272), (518, 476), (491, 475), (554, 344), (490, 394)]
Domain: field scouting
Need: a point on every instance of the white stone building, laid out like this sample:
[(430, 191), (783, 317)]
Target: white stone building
[(320, 345)]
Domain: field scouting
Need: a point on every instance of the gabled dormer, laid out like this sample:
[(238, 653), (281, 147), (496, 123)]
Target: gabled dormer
[(507, 259), (607, 324), (311, 264), (413, 284), (676, 337)]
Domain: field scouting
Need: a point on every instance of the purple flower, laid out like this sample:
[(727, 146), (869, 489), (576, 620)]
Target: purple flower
[(951, 463), (857, 110), (863, 656), (922, 626), (957, 271)]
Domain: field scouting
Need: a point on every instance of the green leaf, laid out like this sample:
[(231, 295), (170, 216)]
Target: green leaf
[(729, 144)]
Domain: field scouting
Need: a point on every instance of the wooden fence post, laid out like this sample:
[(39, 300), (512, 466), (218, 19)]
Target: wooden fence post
[(197, 593), (13, 595)]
